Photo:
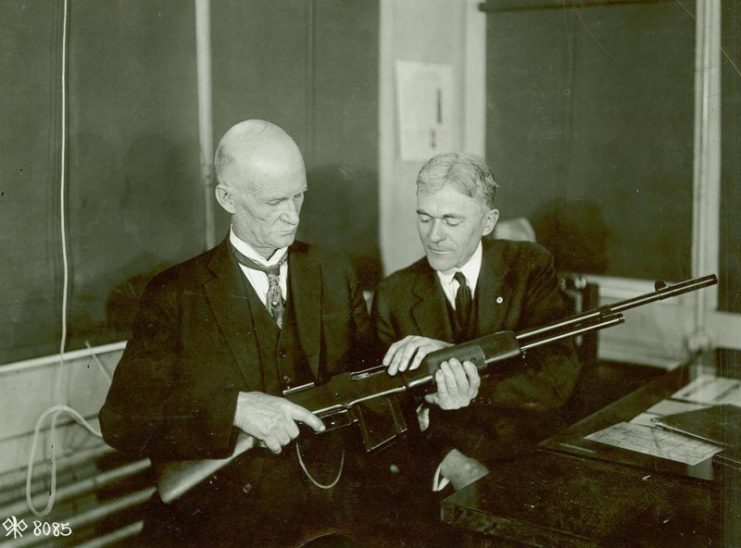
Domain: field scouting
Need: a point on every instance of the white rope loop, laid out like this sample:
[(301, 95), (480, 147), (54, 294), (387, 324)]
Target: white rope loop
[(311, 478)]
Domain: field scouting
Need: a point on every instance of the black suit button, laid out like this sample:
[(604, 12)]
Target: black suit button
[(246, 488)]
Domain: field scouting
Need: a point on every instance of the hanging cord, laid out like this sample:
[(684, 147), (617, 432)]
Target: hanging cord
[(60, 408), (62, 208), (55, 411), (311, 478)]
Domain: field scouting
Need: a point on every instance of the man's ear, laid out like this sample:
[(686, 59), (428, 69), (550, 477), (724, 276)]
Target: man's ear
[(224, 197), (490, 221)]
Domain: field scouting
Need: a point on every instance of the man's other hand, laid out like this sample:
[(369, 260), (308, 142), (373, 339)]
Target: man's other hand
[(409, 352), (461, 470), (457, 384), (272, 420)]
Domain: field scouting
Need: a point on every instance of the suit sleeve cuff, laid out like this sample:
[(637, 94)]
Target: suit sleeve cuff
[(439, 482), (423, 417), (220, 421)]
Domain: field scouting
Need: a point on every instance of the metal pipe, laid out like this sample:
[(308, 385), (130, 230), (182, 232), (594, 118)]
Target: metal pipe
[(310, 145), (96, 514), (18, 479), (114, 537), (706, 173), (80, 487), (67, 357), (111, 507), (205, 114)]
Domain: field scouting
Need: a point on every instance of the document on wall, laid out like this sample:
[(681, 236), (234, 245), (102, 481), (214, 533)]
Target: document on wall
[(425, 101), (711, 390), (656, 442)]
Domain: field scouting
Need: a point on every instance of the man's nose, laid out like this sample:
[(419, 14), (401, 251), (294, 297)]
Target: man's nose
[(291, 212), (437, 234)]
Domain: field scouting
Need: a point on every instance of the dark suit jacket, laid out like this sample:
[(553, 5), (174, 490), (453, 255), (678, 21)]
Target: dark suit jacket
[(411, 302), (193, 349)]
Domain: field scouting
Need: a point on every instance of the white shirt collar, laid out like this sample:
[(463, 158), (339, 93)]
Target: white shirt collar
[(246, 249), (470, 270)]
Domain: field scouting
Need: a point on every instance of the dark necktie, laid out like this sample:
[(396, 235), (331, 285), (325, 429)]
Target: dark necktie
[(462, 301), (274, 299)]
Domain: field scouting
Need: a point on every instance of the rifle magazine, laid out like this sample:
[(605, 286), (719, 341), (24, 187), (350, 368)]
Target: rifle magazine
[(381, 421)]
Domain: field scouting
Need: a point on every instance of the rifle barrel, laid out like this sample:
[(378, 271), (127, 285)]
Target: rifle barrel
[(590, 315), (606, 321), (666, 292), (604, 311)]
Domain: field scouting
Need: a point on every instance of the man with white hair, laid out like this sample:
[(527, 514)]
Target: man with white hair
[(216, 342), (467, 286)]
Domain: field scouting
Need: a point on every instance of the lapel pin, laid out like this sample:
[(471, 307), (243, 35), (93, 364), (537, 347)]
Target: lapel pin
[(500, 300)]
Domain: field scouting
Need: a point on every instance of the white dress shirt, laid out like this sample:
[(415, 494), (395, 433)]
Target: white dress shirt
[(258, 279), (471, 272), (450, 286)]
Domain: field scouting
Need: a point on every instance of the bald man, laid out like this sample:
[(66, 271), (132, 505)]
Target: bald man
[(216, 342)]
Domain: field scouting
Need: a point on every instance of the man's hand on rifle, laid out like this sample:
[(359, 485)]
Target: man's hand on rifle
[(457, 384), (409, 352), (272, 420)]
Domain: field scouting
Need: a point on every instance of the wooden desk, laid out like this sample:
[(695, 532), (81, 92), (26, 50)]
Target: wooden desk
[(572, 439), (572, 492)]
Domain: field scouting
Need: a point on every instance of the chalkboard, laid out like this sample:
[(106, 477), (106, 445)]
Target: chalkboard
[(134, 197), (590, 119), (133, 204)]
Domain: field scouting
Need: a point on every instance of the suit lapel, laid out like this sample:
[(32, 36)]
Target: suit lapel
[(431, 311), (305, 282), (491, 290), (228, 302)]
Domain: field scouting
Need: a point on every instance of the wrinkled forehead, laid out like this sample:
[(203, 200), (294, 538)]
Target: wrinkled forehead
[(267, 170), (449, 196), (276, 185), (448, 199)]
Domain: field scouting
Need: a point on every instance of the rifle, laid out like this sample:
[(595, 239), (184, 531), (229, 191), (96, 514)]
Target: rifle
[(338, 402)]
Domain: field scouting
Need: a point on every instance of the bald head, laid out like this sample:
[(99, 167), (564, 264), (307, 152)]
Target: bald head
[(261, 183), (252, 147)]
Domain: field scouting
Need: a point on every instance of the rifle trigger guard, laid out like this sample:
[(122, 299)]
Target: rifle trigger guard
[(335, 420)]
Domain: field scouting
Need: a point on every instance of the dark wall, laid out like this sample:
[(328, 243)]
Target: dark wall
[(28, 37), (590, 130), (312, 68), (132, 202), (135, 205), (729, 296), (134, 198)]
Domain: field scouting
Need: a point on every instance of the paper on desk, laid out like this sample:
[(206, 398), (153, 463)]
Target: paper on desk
[(711, 390), (656, 442), (645, 419), (672, 407), (664, 407)]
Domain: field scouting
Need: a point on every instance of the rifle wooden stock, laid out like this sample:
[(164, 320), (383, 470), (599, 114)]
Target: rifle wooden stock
[(178, 477), (337, 396), (344, 391)]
